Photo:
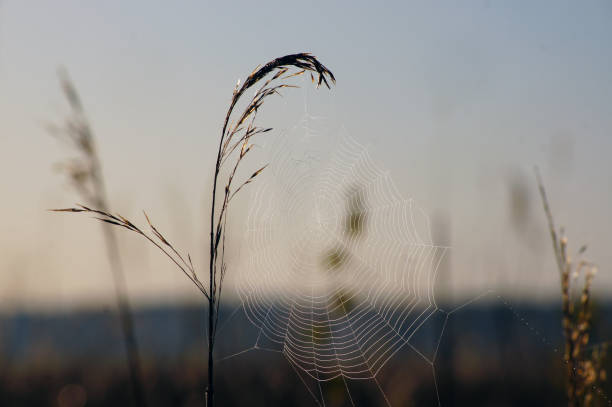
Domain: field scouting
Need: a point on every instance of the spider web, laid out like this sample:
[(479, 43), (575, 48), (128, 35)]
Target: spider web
[(338, 269)]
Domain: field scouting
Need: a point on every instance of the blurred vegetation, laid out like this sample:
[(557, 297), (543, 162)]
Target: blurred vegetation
[(584, 364), (53, 360)]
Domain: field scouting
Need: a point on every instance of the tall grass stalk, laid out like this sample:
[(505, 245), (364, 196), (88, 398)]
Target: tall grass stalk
[(584, 364), (235, 143), (85, 175)]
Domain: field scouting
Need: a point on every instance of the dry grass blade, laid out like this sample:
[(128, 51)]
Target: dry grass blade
[(238, 134), (156, 238), (248, 181), (67, 210)]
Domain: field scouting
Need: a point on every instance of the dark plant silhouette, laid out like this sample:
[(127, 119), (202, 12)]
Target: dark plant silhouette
[(234, 145)]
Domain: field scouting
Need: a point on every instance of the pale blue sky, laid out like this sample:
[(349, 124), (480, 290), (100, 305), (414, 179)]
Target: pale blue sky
[(456, 100)]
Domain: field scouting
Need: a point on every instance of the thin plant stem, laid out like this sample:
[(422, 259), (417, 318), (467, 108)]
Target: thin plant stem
[(584, 370), (235, 142)]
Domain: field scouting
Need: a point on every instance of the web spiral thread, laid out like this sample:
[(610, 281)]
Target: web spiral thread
[(339, 268)]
